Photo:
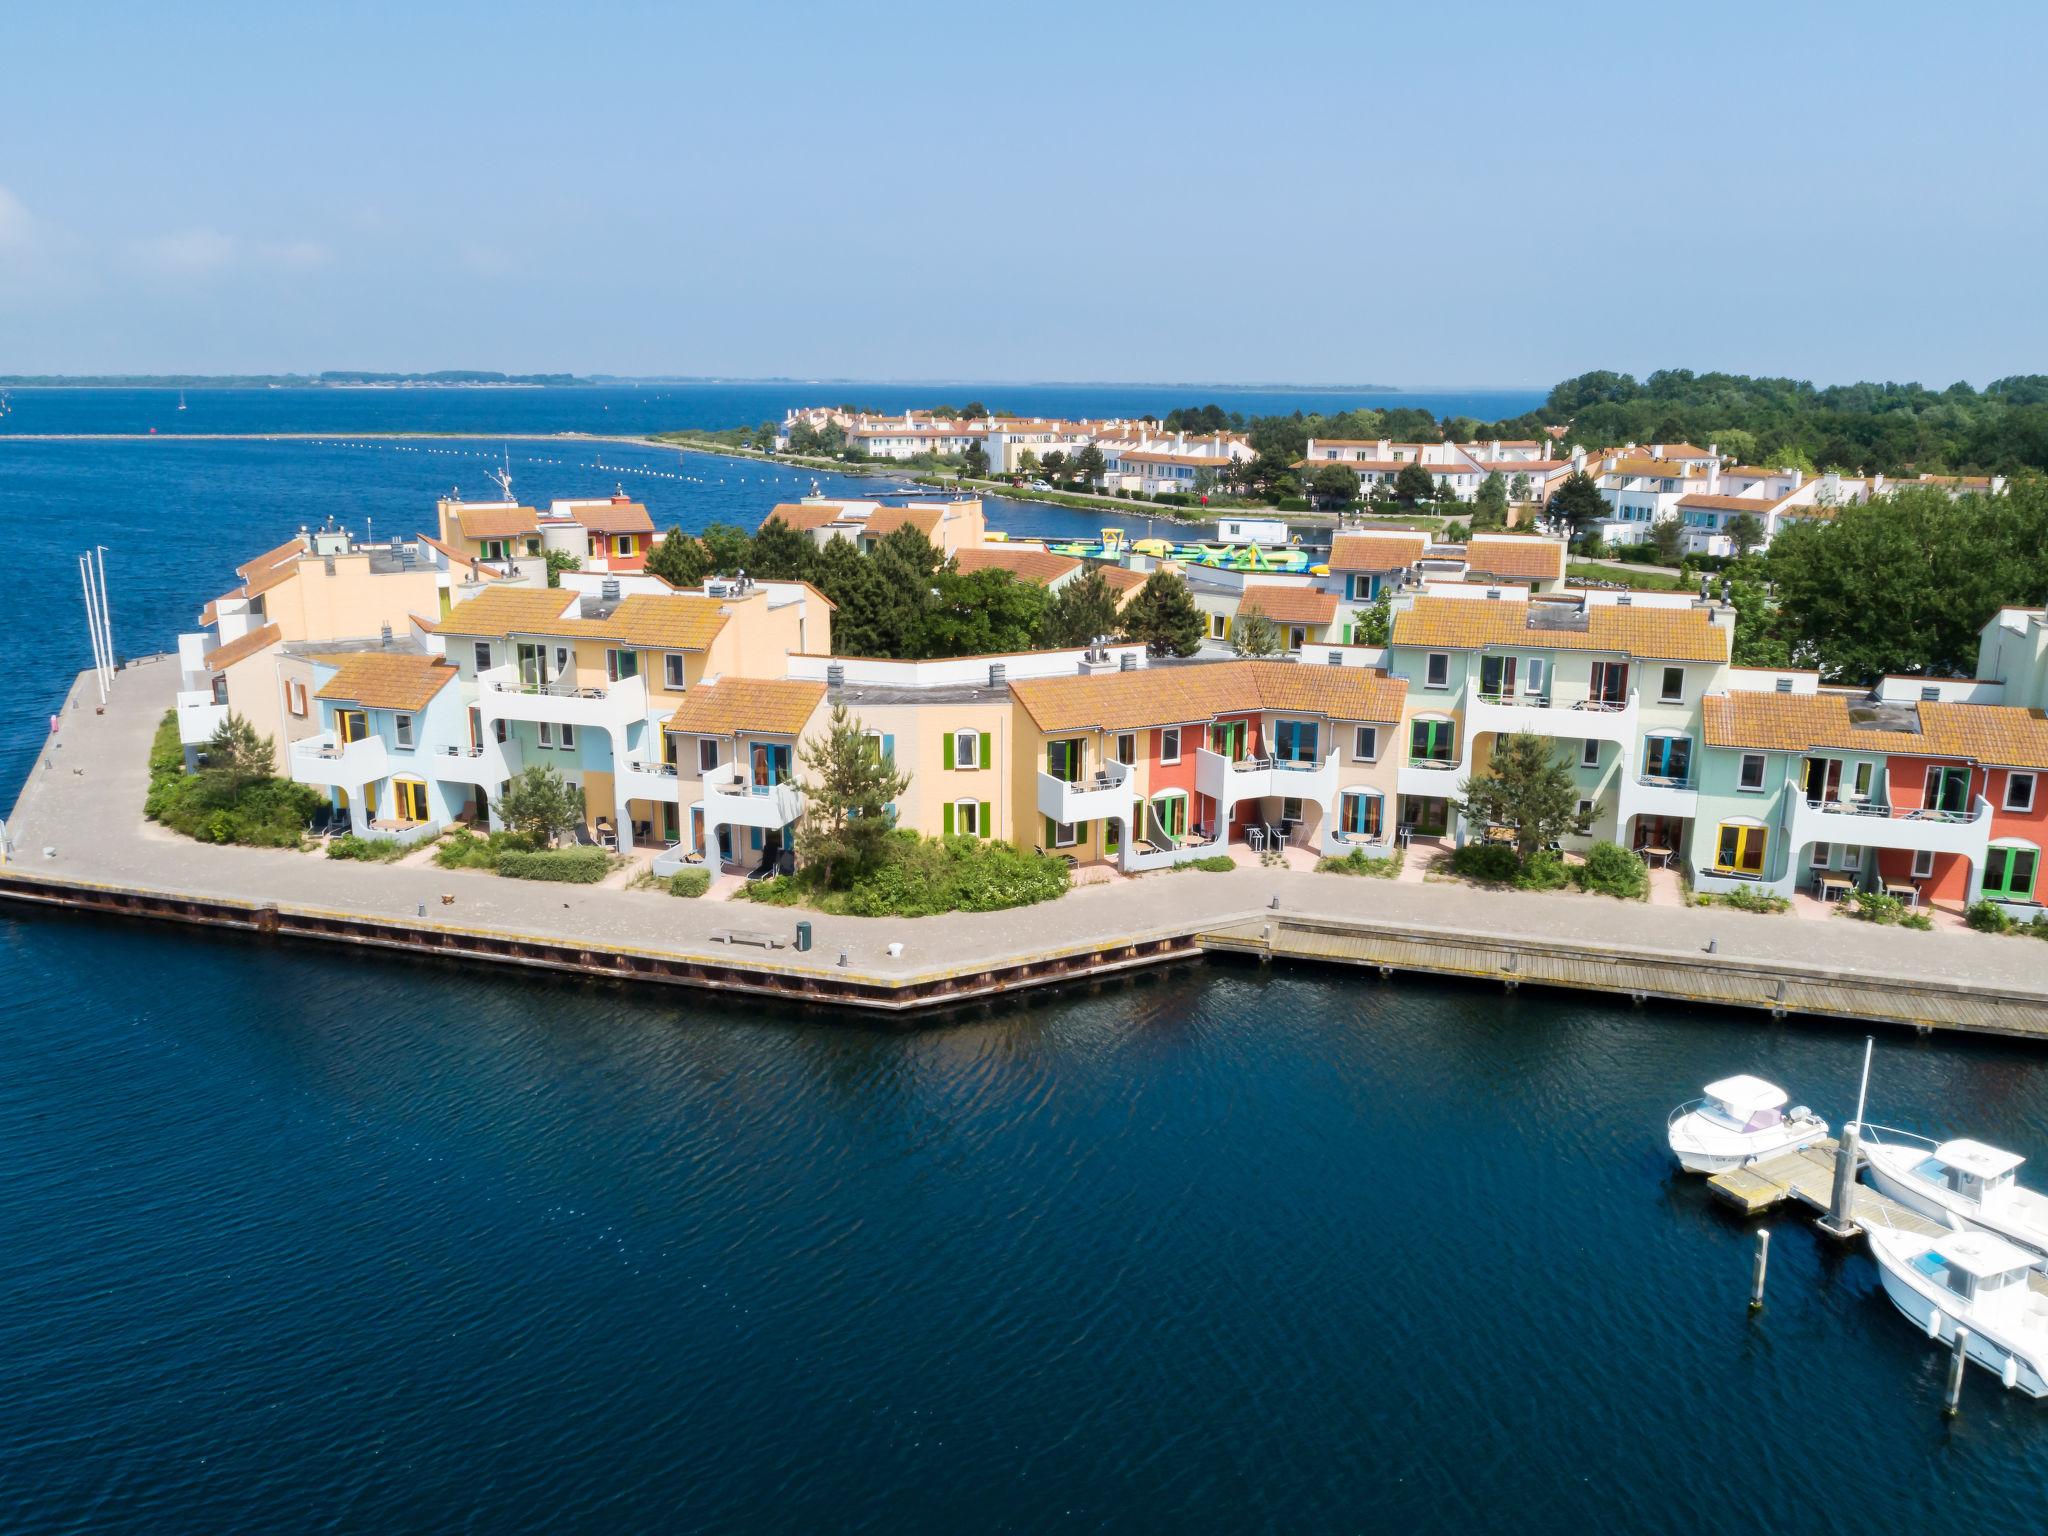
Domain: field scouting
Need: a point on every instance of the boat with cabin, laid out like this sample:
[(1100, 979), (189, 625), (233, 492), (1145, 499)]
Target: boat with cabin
[(1973, 1280), (1739, 1120), (1960, 1183)]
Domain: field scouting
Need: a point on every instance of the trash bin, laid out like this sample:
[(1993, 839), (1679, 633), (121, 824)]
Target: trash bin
[(803, 935)]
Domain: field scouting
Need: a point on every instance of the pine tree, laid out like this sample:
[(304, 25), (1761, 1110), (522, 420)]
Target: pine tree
[(1578, 502), (1254, 634), (1525, 787), (849, 788), (1490, 506), (1080, 611), (236, 754), (1164, 617), (850, 580), (727, 547), (680, 560), (541, 803), (1090, 465), (781, 553)]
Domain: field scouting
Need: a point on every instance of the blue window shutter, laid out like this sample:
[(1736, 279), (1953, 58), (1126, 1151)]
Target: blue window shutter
[(754, 841), (889, 748)]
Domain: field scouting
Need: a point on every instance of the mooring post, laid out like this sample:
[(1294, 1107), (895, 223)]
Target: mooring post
[(1840, 1220), (1955, 1372), (1756, 1279)]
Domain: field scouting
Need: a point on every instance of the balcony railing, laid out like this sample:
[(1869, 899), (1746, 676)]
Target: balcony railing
[(1106, 793)]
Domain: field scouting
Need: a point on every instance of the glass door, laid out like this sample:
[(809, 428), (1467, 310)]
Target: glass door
[(1948, 791), (1294, 741), (1429, 741), (1361, 814), (1063, 760), (1226, 739), (1610, 683), (349, 725), (2009, 874), (533, 665), (1742, 849), (1668, 757), (1496, 676)]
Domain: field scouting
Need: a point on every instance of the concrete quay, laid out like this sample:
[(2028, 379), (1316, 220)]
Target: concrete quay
[(78, 840)]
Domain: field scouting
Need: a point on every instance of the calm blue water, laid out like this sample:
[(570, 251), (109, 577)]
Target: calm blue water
[(659, 407), (291, 1239)]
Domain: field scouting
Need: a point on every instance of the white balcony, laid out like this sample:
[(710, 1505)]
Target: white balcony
[(491, 764), (502, 695), (1107, 795), (648, 781), (730, 800), (199, 717), (1230, 782), (321, 760), (1574, 720), (1644, 796), (1862, 824), (1430, 780)]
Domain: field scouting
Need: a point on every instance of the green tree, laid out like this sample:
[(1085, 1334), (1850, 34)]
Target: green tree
[(1413, 484), (1254, 634), (781, 553), (1375, 625), (726, 546), (848, 788), (1525, 787), (907, 569), (764, 437), (1090, 465), (1269, 474), (1080, 611), (803, 438), (850, 580), (1055, 466), (1334, 485), (1578, 503), (1163, 616), (1490, 506), (1746, 533), (1667, 538), (560, 560), (974, 462), (679, 560), (541, 803), (1027, 464), (982, 613), (1205, 481), (236, 754), (1520, 488)]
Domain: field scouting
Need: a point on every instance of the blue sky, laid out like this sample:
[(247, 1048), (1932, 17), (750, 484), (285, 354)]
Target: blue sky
[(1414, 196)]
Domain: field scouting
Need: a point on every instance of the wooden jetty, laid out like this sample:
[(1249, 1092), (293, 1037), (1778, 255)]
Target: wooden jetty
[(1808, 1176)]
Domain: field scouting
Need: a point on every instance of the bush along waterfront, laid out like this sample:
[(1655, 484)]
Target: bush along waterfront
[(233, 797)]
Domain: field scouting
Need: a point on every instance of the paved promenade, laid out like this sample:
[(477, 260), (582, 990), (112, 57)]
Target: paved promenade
[(84, 801)]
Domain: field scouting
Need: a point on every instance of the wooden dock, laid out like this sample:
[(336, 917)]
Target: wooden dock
[(1808, 1176)]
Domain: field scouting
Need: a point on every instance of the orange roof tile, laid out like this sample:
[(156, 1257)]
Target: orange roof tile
[(1285, 604), (683, 622), (477, 522), (1516, 555), (386, 679), (291, 549), (612, 517), (1728, 503), (1156, 696), (773, 706), (1475, 624), (502, 610), (243, 645), (1387, 551), (1794, 722), (1039, 566), (805, 515), (886, 520)]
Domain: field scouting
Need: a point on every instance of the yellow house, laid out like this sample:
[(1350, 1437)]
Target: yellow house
[(489, 530)]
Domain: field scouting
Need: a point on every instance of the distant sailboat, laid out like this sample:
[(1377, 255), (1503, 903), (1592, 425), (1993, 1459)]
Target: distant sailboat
[(181, 399)]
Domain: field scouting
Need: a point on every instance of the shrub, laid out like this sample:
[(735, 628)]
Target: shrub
[(1747, 899), (1988, 917), (2037, 929), (689, 882), (215, 806), (1495, 863), (1292, 504), (574, 866), (1545, 871), (468, 850), (370, 850), (1359, 862), (778, 891), (1215, 864), (1878, 907), (1614, 871), (1919, 920)]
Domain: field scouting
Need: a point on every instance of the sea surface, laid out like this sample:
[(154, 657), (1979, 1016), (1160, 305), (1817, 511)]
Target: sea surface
[(293, 1239)]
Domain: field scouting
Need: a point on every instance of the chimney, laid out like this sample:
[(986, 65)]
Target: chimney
[(1127, 662), (835, 675), (998, 674), (608, 589)]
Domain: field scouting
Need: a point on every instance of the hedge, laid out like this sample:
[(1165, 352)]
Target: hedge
[(575, 866), (689, 882)]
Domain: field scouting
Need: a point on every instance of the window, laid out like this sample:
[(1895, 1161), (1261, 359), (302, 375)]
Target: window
[(1673, 691), (483, 655), (1169, 744), (621, 663), (1365, 747), (1852, 858), (1862, 781), (1752, 771), (1585, 812), (672, 670), (1429, 740), (1533, 668), (1065, 834), (412, 799), (1127, 748), (966, 750), (623, 544), (1360, 814), (707, 753), (1290, 808), (1609, 684), (297, 695), (402, 724), (2009, 873), (1820, 855), (1063, 759), (1740, 847), (568, 737), (1438, 670), (1923, 864), (1589, 754), (1219, 626), (2019, 791), (547, 733), (1668, 758), (1947, 791), (1295, 636), (963, 818)]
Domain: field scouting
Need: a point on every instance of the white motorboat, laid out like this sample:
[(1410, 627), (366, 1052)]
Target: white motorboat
[(1960, 1183), (1740, 1120), (1973, 1280)]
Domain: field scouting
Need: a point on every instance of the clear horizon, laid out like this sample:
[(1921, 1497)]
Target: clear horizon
[(1074, 197)]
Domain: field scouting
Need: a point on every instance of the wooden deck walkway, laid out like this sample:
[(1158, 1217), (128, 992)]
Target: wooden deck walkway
[(1808, 1176)]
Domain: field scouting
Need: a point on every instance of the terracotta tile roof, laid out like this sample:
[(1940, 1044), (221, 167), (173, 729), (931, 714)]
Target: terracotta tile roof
[(1756, 472), (1122, 578), (502, 610), (1376, 551), (805, 515), (1155, 696), (886, 520), (775, 706), (386, 679), (457, 557), (245, 645), (1660, 469), (1023, 562), (1286, 604), (1150, 456), (1512, 555), (680, 623), (496, 522), (1729, 503), (1685, 451), (291, 549), (1473, 624), (612, 517), (2003, 735), (1794, 722)]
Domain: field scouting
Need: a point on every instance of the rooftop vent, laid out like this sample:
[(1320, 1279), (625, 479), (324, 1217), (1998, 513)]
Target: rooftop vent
[(384, 634), (1128, 662), (1624, 601), (1494, 593), (835, 675), (1784, 685), (1336, 658), (608, 589), (1930, 695), (998, 674)]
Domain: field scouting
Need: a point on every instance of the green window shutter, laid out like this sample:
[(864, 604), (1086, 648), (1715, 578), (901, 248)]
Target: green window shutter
[(947, 748), (1049, 831), (988, 750), (948, 819), (988, 824)]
